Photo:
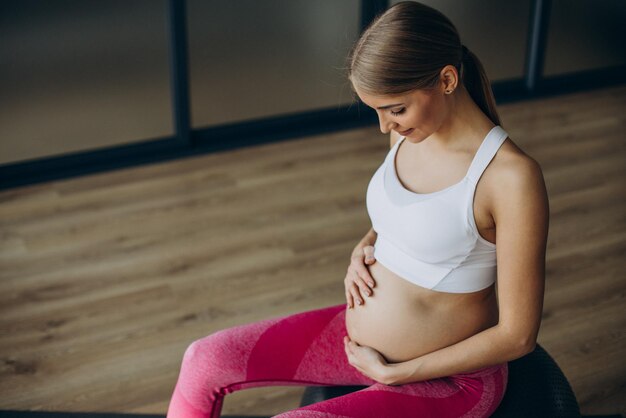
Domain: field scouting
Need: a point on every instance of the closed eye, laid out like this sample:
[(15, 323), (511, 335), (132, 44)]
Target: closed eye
[(397, 113)]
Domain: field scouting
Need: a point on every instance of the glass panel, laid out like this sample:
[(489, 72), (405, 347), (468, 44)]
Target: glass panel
[(584, 35), (79, 75), (251, 59), (494, 30)]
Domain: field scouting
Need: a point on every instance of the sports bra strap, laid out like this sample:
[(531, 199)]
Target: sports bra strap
[(486, 152)]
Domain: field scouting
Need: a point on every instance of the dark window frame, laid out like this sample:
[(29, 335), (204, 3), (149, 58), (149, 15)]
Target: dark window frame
[(187, 141)]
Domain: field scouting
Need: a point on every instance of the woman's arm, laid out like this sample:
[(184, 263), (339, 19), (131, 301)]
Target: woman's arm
[(521, 213)]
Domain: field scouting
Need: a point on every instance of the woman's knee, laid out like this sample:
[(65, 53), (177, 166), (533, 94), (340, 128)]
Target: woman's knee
[(215, 357)]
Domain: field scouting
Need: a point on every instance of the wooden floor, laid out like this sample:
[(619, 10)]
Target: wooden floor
[(106, 279)]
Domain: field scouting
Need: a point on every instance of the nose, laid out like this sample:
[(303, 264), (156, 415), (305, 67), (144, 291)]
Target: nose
[(385, 125)]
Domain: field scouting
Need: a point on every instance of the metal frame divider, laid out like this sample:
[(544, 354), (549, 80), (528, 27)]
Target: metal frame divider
[(188, 141)]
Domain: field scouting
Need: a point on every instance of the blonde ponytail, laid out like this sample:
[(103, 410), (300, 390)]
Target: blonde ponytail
[(477, 84)]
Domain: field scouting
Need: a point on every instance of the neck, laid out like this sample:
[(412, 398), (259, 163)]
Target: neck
[(465, 121)]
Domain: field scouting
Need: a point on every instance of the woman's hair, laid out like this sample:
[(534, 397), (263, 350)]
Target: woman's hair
[(406, 47)]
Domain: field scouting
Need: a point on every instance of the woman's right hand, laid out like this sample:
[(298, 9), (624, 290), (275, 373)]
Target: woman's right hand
[(358, 280)]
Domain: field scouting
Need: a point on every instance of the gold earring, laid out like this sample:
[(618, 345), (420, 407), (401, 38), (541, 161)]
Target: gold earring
[(448, 91)]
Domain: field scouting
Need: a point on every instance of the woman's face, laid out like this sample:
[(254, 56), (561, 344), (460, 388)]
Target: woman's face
[(420, 111)]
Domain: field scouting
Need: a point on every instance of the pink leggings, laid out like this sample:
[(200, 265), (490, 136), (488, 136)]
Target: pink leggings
[(307, 348)]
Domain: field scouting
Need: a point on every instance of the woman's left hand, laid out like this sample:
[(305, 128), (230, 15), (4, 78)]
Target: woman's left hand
[(365, 359)]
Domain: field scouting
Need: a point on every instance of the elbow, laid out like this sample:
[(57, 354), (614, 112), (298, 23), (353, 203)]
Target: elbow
[(519, 344), (527, 346), (522, 346)]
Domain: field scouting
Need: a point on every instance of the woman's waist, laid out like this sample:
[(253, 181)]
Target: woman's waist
[(407, 304), (425, 300)]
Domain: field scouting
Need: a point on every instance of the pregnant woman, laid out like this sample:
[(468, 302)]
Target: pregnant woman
[(435, 309)]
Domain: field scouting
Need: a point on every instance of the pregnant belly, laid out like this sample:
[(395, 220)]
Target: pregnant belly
[(402, 320)]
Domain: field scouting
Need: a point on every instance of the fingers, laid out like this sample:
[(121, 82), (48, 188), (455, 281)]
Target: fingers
[(348, 283), (352, 358), (349, 299), (348, 351), (347, 344), (357, 289), (369, 259), (369, 254), (358, 281), (356, 296), (363, 275)]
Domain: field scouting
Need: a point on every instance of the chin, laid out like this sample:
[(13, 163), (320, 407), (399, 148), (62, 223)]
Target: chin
[(413, 138)]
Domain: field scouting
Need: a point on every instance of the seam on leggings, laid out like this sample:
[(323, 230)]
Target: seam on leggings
[(228, 387), (289, 381)]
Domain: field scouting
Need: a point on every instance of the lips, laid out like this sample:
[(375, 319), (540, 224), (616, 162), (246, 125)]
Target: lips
[(406, 132)]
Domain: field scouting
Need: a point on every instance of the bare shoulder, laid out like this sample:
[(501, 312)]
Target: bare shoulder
[(515, 177), (513, 167)]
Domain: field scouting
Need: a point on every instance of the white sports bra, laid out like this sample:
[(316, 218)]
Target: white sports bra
[(431, 239)]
